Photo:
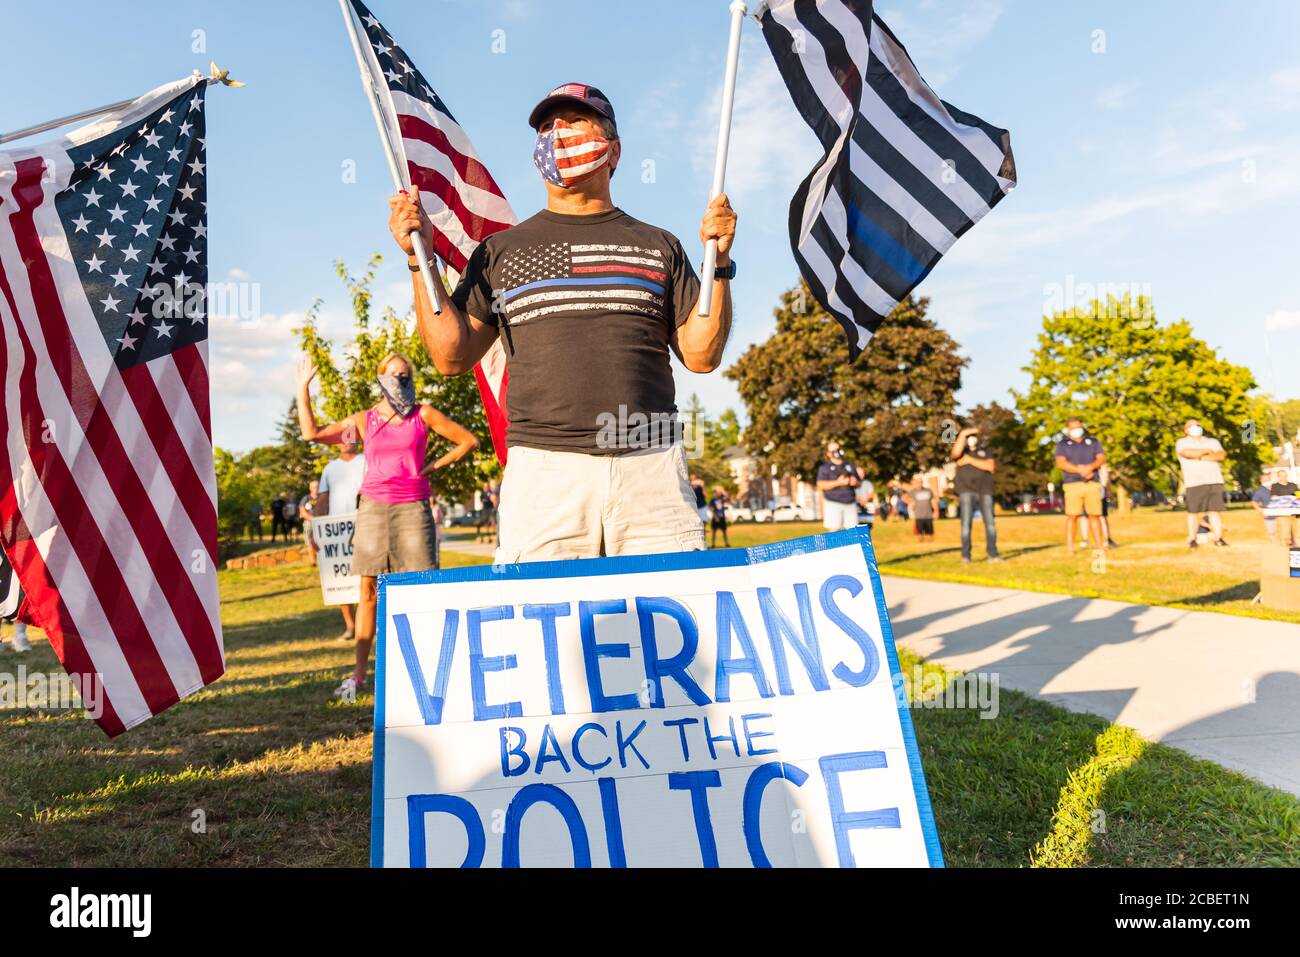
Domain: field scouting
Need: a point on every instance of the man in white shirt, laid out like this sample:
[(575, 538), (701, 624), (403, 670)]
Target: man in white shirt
[(340, 485), (1200, 455)]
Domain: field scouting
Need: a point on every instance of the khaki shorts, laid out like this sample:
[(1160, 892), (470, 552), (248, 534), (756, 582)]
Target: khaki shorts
[(557, 505), (393, 538), (1081, 497)]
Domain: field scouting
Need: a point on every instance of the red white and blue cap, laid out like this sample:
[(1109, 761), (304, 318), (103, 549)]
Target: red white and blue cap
[(579, 93)]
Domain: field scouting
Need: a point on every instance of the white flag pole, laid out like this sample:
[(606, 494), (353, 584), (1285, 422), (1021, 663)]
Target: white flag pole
[(390, 153), (737, 8)]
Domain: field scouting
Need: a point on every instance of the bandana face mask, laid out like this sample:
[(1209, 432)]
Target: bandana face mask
[(566, 156), (399, 390)]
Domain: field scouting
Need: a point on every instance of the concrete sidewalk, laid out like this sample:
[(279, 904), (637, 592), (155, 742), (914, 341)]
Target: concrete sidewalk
[(1219, 686)]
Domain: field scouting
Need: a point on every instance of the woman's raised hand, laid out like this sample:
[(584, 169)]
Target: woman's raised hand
[(306, 372)]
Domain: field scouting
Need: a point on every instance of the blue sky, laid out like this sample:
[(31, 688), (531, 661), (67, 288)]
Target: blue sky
[(1156, 145)]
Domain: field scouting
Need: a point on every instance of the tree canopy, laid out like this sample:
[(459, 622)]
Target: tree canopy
[(890, 408)]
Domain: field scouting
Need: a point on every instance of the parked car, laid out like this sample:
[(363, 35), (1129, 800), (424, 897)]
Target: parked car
[(1040, 504), (1149, 497), (785, 513), (470, 519), (739, 513)]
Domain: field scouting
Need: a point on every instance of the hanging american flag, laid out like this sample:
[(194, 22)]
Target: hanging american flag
[(461, 198), (904, 173), (108, 510)]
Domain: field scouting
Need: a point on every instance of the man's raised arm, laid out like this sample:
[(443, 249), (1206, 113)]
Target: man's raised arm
[(700, 340), (456, 341)]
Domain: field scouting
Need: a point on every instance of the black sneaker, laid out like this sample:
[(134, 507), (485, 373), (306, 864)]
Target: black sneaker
[(1192, 543), (1221, 543)]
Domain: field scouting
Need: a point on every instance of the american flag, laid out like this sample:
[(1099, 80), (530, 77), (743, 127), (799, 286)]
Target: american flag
[(457, 192), (108, 510), (904, 173), (569, 277)]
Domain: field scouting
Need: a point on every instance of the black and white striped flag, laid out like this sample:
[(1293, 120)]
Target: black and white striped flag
[(904, 173)]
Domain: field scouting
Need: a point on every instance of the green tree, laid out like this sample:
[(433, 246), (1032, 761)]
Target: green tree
[(706, 440), (889, 408), (353, 385), (1134, 382), (1019, 462)]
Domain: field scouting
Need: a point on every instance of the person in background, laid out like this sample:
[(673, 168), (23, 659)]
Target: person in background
[(1079, 457), (836, 480), (1288, 526), (1103, 476), (1259, 500), (339, 490), (487, 516), (277, 516), (921, 502), (718, 516), (292, 521), (1200, 455), (394, 526), (254, 526), (974, 488), (439, 516), (701, 497), (866, 496), (306, 509)]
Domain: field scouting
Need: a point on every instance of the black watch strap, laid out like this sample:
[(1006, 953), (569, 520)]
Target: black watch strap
[(727, 272)]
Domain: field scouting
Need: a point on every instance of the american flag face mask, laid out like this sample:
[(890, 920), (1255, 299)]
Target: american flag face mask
[(566, 156)]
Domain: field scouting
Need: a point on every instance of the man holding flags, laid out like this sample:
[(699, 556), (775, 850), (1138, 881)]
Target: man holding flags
[(587, 302)]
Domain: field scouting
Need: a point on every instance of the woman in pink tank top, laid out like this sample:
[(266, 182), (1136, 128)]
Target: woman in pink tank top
[(394, 529)]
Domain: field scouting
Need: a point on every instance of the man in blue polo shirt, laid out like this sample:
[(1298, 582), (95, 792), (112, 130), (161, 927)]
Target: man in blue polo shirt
[(836, 480), (1079, 457)]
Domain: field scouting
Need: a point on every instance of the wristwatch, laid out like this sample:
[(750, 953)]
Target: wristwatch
[(416, 267), (727, 272)]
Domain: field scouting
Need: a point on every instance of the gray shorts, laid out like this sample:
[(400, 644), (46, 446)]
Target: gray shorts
[(393, 538), (1204, 498)]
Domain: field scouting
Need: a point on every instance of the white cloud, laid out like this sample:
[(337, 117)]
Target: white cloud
[(1282, 319), (1117, 96)]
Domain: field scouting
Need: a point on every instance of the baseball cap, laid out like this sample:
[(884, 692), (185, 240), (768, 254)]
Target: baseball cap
[(581, 93)]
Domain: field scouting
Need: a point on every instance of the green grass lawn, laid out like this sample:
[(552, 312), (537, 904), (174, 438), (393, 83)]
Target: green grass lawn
[(281, 774)]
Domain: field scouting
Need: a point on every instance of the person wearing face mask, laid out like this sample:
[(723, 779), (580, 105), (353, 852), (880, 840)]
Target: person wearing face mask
[(1200, 455), (974, 487), (1080, 457), (394, 526), (836, 480), (589, 305)]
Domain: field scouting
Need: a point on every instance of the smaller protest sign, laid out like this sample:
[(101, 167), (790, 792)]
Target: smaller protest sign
[(333, 537)]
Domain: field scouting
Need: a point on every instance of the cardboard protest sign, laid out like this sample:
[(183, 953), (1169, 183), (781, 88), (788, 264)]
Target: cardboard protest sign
[(724, 708), (333, 537)]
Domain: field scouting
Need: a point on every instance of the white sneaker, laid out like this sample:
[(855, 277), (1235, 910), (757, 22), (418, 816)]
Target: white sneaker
[(21, 643), (347, 691)]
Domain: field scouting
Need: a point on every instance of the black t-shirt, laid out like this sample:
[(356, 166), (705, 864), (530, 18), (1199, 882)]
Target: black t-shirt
[(1284, 488), (700, 500), (829, 472), (972, 479), (586, 306)]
